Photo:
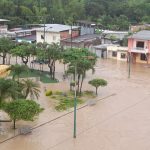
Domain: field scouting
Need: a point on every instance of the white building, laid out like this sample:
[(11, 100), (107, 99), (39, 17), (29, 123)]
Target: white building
[(117, 52), (53, 33)]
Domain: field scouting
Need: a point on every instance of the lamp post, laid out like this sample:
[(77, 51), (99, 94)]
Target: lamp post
[(75, 102)]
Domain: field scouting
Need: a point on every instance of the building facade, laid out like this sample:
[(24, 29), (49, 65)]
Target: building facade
[(139, 47), (117, 52), (54, 33)]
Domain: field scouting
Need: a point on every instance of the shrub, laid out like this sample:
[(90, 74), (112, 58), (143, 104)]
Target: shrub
[(58, 93), (48, 93)]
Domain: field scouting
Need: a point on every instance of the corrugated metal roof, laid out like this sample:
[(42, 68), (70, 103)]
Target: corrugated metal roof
[(56, 28), (141, 35)]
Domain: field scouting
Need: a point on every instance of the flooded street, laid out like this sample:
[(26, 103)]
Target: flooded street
[(120, 120)]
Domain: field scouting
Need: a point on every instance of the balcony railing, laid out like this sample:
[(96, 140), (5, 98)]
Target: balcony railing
[(139, 50)]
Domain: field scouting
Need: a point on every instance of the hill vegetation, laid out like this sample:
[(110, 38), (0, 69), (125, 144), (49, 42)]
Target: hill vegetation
[(110, 14)]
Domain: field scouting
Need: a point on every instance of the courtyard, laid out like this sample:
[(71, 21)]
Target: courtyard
[(119, 120)]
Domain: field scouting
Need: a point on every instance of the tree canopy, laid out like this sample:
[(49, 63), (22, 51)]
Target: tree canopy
[(112, 14)]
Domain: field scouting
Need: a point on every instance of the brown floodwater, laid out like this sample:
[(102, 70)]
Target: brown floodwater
[(120, 120)]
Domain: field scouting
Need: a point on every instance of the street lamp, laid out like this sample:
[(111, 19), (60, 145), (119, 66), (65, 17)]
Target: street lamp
[(75, 95), (75, 103)]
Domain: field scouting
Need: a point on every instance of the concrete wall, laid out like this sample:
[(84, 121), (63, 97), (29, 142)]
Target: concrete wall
[(50, 37)]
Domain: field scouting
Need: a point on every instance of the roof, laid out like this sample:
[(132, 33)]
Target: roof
[(82, 38), (141, 35), (102, 46), (3, 20), (86, 22), (56, 28), (27, 38)]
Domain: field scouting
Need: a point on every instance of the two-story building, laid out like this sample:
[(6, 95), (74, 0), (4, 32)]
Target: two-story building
[(54, 33), (139, 47)]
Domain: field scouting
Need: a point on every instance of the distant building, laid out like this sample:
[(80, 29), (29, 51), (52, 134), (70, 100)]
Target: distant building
[(101, 50), (139, 46), (117, 52), (54, 33), (113, 37), (136, 28), (3, 27), (83, 41), (86, 27)]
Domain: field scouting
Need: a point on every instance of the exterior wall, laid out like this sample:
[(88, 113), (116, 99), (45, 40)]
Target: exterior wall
[(67, 34), (50, 37), (137, 54), (119, 50), (3, 28)]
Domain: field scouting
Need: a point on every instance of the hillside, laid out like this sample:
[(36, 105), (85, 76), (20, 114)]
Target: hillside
[(111, 14)]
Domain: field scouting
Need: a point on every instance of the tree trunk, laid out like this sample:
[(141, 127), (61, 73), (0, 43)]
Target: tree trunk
[(4, 57), (78, 83), (96, 90), (81, 84), (14, 124)]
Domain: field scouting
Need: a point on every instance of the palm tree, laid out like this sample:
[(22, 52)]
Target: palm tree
[(30, 88), (17, 70)]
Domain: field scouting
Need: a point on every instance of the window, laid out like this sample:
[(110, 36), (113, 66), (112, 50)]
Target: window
[(123, 56), (114, 54), (140, 44), (42, 36), (143, 57)]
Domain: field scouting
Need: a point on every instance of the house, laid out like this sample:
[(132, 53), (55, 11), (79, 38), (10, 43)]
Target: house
[(113, 37), (101, 50), (54, 33), (83, 41), (86, 27), (22, 35), (139, 46), (138, 27), (3, 27), (117, 52)]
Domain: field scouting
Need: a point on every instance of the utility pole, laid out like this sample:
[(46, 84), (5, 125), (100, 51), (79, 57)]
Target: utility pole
[(71, 36), (129, 65), (44, 29)]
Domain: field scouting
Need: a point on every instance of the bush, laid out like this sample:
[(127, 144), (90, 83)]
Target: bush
[(48, 93), (58, 93)]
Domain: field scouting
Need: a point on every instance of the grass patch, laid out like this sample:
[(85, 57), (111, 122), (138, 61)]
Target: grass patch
[(44, 76), (89, 94), (66, 103)]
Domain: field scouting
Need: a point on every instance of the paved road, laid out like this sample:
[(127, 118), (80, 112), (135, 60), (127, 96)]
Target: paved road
[(119, 122)]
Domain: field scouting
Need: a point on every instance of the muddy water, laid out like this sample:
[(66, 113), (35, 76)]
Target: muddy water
[(120, 122)]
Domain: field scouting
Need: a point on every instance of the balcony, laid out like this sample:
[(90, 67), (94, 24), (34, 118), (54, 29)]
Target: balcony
[(139, 50)]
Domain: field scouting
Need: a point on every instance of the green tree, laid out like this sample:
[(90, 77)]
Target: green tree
[(5, 46), (80, 60), (8, 89), (30, 88), (22, 109), (17, 70), (23, 51), (50, 53), (97, 83)]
